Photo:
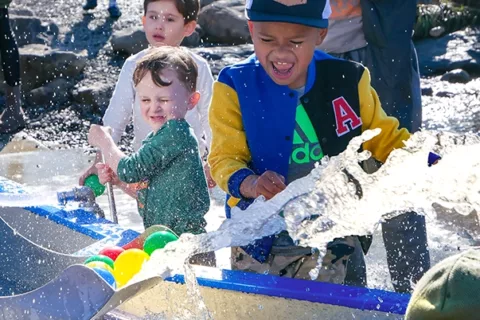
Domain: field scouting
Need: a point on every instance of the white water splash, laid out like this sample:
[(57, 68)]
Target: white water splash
[(404, 183), (27, 199)]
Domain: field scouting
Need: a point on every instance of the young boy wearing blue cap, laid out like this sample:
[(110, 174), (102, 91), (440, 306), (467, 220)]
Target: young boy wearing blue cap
[(276, 114)]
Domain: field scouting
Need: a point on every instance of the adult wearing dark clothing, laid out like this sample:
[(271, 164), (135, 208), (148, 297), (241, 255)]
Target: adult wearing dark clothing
[(378, 34), (12, 118)]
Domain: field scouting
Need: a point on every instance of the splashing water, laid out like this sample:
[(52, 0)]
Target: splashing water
[(27, 199), (405, 183)]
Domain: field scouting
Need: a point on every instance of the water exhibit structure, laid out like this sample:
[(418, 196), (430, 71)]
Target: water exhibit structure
[(43, 248)]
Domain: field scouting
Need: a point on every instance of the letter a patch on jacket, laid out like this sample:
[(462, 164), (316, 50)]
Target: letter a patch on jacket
[(344, 115)]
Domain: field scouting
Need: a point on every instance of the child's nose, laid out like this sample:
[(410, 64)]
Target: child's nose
[(283, 49), (159, 24)]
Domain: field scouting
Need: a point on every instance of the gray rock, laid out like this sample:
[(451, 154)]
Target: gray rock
[(30, 29), (204, 3), (456, 76), (427, 91), (194, 39), (445, 94), (40, 64), (219, 57), (437, 31), (53, 93), (96, 97), (224, 22), (20, 12), (131, 40), (458, 50)]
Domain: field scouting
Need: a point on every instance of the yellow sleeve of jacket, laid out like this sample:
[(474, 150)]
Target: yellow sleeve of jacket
[(229, 153), (373, 116)]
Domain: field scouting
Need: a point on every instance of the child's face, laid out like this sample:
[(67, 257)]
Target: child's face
[(285, 50), (164, 25), (160, 104)]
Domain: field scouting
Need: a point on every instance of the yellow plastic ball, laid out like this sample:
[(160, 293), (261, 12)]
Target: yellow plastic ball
[(128, 264), (100, 265)]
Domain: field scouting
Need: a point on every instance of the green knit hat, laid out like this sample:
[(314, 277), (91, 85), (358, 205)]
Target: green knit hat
[(450, 290)]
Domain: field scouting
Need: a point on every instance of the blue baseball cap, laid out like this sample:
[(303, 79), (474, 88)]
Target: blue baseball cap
[(312, 13)]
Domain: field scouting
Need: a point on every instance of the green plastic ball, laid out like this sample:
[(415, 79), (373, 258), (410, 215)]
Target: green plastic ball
[(101, 258), (158, 240), (93, 183)]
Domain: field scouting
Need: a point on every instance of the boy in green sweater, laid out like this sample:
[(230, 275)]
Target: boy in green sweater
[(165, 175)]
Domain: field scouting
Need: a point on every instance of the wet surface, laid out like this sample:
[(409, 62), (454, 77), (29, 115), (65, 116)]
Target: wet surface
[(47, 172)]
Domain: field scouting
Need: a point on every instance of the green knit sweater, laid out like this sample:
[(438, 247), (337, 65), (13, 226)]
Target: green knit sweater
[(169, 168)]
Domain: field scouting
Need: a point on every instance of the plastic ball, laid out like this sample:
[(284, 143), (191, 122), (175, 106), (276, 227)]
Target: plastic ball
[(128, 264), (107, 276), (101, 258), (93, 183), (158, 240), (111, 252), (99, 265)]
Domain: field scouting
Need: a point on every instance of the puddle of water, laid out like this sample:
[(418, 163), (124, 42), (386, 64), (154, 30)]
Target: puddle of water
[(46, 172)]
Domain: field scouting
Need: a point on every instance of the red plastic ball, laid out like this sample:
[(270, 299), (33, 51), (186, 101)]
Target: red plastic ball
[(111, 252)]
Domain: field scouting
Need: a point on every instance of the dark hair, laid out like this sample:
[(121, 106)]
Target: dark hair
[(165, 57), (188, 8)]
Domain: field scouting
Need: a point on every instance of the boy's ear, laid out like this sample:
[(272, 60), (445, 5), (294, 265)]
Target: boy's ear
[(189, 28), (194, 98), (250, 28), (322, 33)]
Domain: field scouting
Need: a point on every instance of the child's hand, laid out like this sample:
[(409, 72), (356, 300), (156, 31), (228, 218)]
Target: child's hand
[(106, 174), (91, 170), (210, 182), (268, 185), (98, 134)]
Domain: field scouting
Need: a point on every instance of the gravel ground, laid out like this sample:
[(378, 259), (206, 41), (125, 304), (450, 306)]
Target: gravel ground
[(446, 106)]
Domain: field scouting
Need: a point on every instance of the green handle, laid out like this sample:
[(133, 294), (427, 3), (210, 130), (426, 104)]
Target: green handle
[(93, 183)]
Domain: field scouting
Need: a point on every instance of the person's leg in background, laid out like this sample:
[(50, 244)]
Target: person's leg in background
[(405, 237), (416, 93), (12, 119), (408, 257)]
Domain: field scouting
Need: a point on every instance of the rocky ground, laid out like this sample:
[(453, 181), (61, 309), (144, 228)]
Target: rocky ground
[(71, 60)]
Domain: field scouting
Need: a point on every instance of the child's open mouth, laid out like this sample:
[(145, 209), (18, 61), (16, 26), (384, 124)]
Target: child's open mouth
[(158, 118), (282, 70)]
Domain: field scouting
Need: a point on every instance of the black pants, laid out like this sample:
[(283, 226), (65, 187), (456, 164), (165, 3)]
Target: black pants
[(408, 258), (9, 51)]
